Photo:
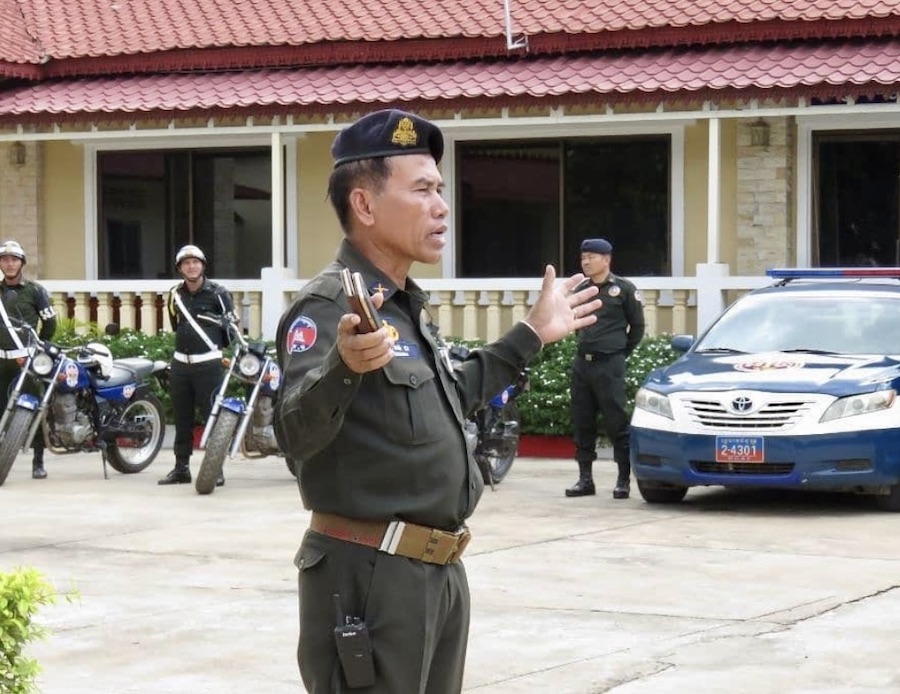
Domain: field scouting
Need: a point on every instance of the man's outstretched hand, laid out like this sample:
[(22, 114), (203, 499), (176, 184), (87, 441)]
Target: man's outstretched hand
[(560, 310)]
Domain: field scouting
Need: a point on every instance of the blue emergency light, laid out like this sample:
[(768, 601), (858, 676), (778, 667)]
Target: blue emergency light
[(833, 272)]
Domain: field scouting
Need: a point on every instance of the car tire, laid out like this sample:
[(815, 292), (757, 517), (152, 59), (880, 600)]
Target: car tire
[(661, 493), (891, 500)]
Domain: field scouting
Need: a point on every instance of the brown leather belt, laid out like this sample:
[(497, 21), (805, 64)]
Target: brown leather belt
[(396, 537)]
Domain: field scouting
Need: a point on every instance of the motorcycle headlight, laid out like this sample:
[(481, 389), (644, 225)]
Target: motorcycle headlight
[(859, 404), (249, 365), (654, 402), (42, 364)]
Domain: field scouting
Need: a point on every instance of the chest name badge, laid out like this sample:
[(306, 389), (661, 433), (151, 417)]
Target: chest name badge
[(614, 290)]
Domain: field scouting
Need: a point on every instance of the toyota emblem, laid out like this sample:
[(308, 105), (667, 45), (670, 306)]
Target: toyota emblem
[(741, 404)]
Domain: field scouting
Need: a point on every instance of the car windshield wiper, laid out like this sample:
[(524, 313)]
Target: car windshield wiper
[(718, 350)]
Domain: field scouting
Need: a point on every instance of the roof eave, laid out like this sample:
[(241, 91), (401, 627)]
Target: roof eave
[(450, 49)]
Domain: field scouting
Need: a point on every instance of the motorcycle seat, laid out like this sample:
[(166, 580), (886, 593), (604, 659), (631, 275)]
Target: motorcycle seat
[(128, 370)]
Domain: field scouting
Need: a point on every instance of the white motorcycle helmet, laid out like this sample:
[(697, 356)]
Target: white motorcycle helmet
[(99, 357), (189, 251), (13, 248)]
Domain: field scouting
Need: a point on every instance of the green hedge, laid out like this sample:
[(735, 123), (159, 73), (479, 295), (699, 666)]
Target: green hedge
[(546, 407)]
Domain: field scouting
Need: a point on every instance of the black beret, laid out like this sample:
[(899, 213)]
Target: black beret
[(601, 246), (387, 133)]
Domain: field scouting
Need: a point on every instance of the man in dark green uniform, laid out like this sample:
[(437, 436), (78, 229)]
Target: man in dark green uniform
[(375, 422), (196, 369), (598, 374), (28, 301)]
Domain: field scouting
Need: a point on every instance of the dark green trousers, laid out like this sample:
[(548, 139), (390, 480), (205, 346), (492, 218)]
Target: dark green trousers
[(417, 615)]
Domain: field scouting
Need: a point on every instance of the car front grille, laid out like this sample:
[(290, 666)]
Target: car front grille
[(711, 468), (777, 414)]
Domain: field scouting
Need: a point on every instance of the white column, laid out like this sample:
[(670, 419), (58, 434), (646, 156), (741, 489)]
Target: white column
[(713, 192), (277, 201)]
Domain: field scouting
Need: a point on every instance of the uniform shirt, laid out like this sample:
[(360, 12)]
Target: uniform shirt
[(388, 444), (211, 299), (27, 301), (620, 320)]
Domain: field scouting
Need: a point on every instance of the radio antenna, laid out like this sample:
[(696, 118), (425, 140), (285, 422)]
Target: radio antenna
[(513, 43)]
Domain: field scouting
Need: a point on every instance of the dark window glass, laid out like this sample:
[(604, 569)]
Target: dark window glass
[(856, 212), (525, 204), (153, 202)]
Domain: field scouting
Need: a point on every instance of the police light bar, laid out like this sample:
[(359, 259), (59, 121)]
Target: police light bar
[(833, 272)]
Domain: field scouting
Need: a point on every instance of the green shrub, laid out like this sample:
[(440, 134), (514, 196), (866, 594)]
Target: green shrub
[(22, 592), (547, 408)]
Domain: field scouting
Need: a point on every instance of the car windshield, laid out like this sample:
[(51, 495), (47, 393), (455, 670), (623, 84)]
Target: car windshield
[(808, 322)]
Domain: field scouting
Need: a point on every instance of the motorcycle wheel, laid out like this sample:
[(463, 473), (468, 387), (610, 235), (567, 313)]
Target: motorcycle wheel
[(495, 463), (217, 446), (146, 412), (14, 440)]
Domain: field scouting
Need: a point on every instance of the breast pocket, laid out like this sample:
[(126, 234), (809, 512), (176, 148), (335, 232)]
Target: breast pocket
[(413, 409)]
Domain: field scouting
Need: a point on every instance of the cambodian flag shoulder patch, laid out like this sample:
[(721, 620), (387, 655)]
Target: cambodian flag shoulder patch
[(302, 335)]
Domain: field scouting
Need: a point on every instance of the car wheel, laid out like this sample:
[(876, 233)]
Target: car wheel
[(890, 501), (661, 493)]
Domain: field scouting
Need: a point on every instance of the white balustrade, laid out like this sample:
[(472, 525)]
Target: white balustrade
[(463, 308)]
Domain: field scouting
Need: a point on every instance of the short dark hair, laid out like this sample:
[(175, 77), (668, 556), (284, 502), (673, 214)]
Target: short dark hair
[(364, 173)]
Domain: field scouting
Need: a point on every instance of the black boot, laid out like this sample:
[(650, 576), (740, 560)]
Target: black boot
[(220, 482), (585, 484), (180, 474), (37, 469), (623, 483)]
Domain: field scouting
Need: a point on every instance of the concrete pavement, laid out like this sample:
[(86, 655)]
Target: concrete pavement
[(727, 592)]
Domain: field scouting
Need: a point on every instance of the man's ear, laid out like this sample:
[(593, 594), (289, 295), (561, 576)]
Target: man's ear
[(361, 202)]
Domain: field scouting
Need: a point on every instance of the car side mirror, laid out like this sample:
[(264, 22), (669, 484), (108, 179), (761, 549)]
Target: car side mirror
[(682, 343)]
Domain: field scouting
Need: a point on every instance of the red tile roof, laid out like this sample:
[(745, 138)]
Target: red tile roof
[(823, 70), (74, 29)]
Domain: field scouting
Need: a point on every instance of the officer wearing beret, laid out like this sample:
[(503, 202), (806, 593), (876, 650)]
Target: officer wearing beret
[(598, 374), (376, 423)]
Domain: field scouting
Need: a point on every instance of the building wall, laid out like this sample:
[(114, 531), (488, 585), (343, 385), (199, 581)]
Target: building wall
[(696, 193), (63, 213), (42, 202), (317, 227), (21, 198), (765, 200)]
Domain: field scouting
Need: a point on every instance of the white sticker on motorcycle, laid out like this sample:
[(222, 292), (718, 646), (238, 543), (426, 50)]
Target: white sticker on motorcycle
[(71, 374), (274, 376), (128, 391)]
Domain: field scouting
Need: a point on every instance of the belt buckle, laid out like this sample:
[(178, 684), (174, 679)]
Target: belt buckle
[(445, 547)]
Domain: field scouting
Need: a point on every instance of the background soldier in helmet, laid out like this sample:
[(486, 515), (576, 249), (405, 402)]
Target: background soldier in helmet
[(28, 301), (197, 363)]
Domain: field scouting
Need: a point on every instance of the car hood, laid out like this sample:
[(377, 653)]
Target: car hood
[(777, 372)]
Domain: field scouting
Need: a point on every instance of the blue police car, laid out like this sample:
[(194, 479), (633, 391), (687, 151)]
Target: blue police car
[(793, 386)]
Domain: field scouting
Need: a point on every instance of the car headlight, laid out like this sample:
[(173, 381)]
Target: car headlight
[(860, 404), (249, 365), (653, 402), (42, 364)]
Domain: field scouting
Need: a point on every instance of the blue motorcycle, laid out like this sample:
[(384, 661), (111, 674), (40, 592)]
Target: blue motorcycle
[(90, 402), (493, 431), (243, 420)]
